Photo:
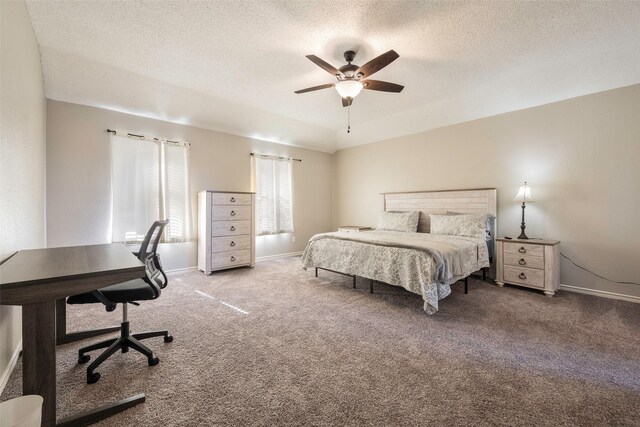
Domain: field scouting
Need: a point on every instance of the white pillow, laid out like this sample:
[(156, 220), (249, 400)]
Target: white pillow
[(490, 219), (460, 225), (398, 221)]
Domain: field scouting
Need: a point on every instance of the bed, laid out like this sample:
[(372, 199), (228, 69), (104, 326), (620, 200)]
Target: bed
[(421, 262)]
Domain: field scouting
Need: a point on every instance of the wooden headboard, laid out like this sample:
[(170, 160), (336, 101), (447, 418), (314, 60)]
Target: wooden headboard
[(472, 201)]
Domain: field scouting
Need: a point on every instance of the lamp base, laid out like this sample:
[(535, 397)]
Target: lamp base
[(522, 226)]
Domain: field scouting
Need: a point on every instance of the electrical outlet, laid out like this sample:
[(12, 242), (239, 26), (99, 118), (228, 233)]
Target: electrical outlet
[(293, 239)]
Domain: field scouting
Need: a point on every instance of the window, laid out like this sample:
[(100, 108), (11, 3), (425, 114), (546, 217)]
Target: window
[(150, 181), (274, 195)]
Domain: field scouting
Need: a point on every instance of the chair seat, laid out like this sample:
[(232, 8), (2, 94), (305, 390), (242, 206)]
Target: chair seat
[(133, 290)]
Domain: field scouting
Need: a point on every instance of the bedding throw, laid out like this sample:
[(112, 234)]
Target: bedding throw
[(421, 263)]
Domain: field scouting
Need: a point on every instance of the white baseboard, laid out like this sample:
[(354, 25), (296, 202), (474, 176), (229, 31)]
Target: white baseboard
[(10, 367), (270, 257), (178, 270), (599, 293), (258, 259)]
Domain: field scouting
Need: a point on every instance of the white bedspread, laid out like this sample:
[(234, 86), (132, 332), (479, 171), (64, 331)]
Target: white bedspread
[(422, 263)]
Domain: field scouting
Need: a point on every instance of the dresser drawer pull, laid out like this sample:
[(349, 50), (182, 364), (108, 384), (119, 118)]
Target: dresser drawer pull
[(232, 244), (233, 228), (522, 261), (233, 213), (522, 250), (233, 200), (233, 258), (522, 276)]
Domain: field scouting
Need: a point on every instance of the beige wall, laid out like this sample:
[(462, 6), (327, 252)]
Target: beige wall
[(22, 153), (79, 178), (580, 156)]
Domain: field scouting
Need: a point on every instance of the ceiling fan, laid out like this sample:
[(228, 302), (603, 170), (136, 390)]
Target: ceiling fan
[(353, 78)]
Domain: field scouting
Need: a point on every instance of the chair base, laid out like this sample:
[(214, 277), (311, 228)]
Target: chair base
[(122, 343)]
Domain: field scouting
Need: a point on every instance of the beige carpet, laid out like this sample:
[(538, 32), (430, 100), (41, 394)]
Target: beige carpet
[(273, 345)]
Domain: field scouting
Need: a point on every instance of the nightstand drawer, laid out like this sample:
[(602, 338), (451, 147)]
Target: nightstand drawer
[(524, 276), (520, 260), (523, 248)]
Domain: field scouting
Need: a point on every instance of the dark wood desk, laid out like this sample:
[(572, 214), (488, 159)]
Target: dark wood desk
[(36, 279)]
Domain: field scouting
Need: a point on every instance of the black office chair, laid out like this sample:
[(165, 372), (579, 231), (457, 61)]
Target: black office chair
[(147, 288)]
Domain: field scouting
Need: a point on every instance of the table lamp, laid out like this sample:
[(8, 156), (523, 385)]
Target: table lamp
[(524, 196)]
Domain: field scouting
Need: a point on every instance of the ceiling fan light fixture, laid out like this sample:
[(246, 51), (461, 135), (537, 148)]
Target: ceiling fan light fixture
[(349, 88)]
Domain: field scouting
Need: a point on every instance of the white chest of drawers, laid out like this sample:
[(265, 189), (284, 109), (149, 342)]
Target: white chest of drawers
[(226, 230), (533, 263)]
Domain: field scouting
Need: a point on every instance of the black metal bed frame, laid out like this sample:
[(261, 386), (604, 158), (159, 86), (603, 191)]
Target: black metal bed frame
[(371, 281)]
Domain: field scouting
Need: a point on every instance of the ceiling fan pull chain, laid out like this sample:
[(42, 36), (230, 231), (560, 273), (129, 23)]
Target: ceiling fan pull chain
[(349, 119)]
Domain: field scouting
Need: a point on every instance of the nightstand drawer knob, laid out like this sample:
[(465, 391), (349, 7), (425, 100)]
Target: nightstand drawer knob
[(522, 261), (233, 199), (233, 213), (232, 244), (233, 258), (233, 228), (522, 250), (522, 276)]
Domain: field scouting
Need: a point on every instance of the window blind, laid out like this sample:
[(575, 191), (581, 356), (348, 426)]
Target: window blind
[(274, 195)]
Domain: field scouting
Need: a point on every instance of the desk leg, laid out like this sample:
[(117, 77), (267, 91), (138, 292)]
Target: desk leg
[(62, 337), (61, 319), (39, 356)]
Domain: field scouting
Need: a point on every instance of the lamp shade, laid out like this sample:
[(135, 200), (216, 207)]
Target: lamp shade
[(524, 194), (349, 88)]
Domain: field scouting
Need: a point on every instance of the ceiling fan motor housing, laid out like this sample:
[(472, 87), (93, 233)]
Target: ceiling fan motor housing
[(349, 69)]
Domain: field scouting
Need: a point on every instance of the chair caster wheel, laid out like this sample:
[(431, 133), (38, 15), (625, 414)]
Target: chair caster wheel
[(154, 361), (93, 378), (84, 358), (168, 338)]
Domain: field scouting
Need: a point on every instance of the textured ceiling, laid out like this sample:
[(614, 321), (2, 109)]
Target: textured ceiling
[(234, 65)]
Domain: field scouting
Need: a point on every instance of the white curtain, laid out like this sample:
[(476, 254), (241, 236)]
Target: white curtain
[(149, 182), (274, 195)]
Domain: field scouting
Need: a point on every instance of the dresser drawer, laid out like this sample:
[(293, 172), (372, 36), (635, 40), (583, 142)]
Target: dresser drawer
[(230, 199), (221, 213), (523, 248), (524, 276), (520, 260), (230, 259), (230, 228), (230, 243)]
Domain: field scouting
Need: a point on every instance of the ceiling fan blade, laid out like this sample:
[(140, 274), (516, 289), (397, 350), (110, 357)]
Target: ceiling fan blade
[(347, 102), (325, 65), (378, 63), (309, 89), (382, 86)]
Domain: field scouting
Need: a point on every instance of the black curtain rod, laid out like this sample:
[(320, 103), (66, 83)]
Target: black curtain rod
[(276, 157), (133, 135)]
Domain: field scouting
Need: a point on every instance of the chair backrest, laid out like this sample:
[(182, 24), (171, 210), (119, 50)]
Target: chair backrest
[(152, 238), (149, 256)]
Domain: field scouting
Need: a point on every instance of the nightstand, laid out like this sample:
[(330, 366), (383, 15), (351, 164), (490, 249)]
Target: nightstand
[(353, 228), (533, 263)]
